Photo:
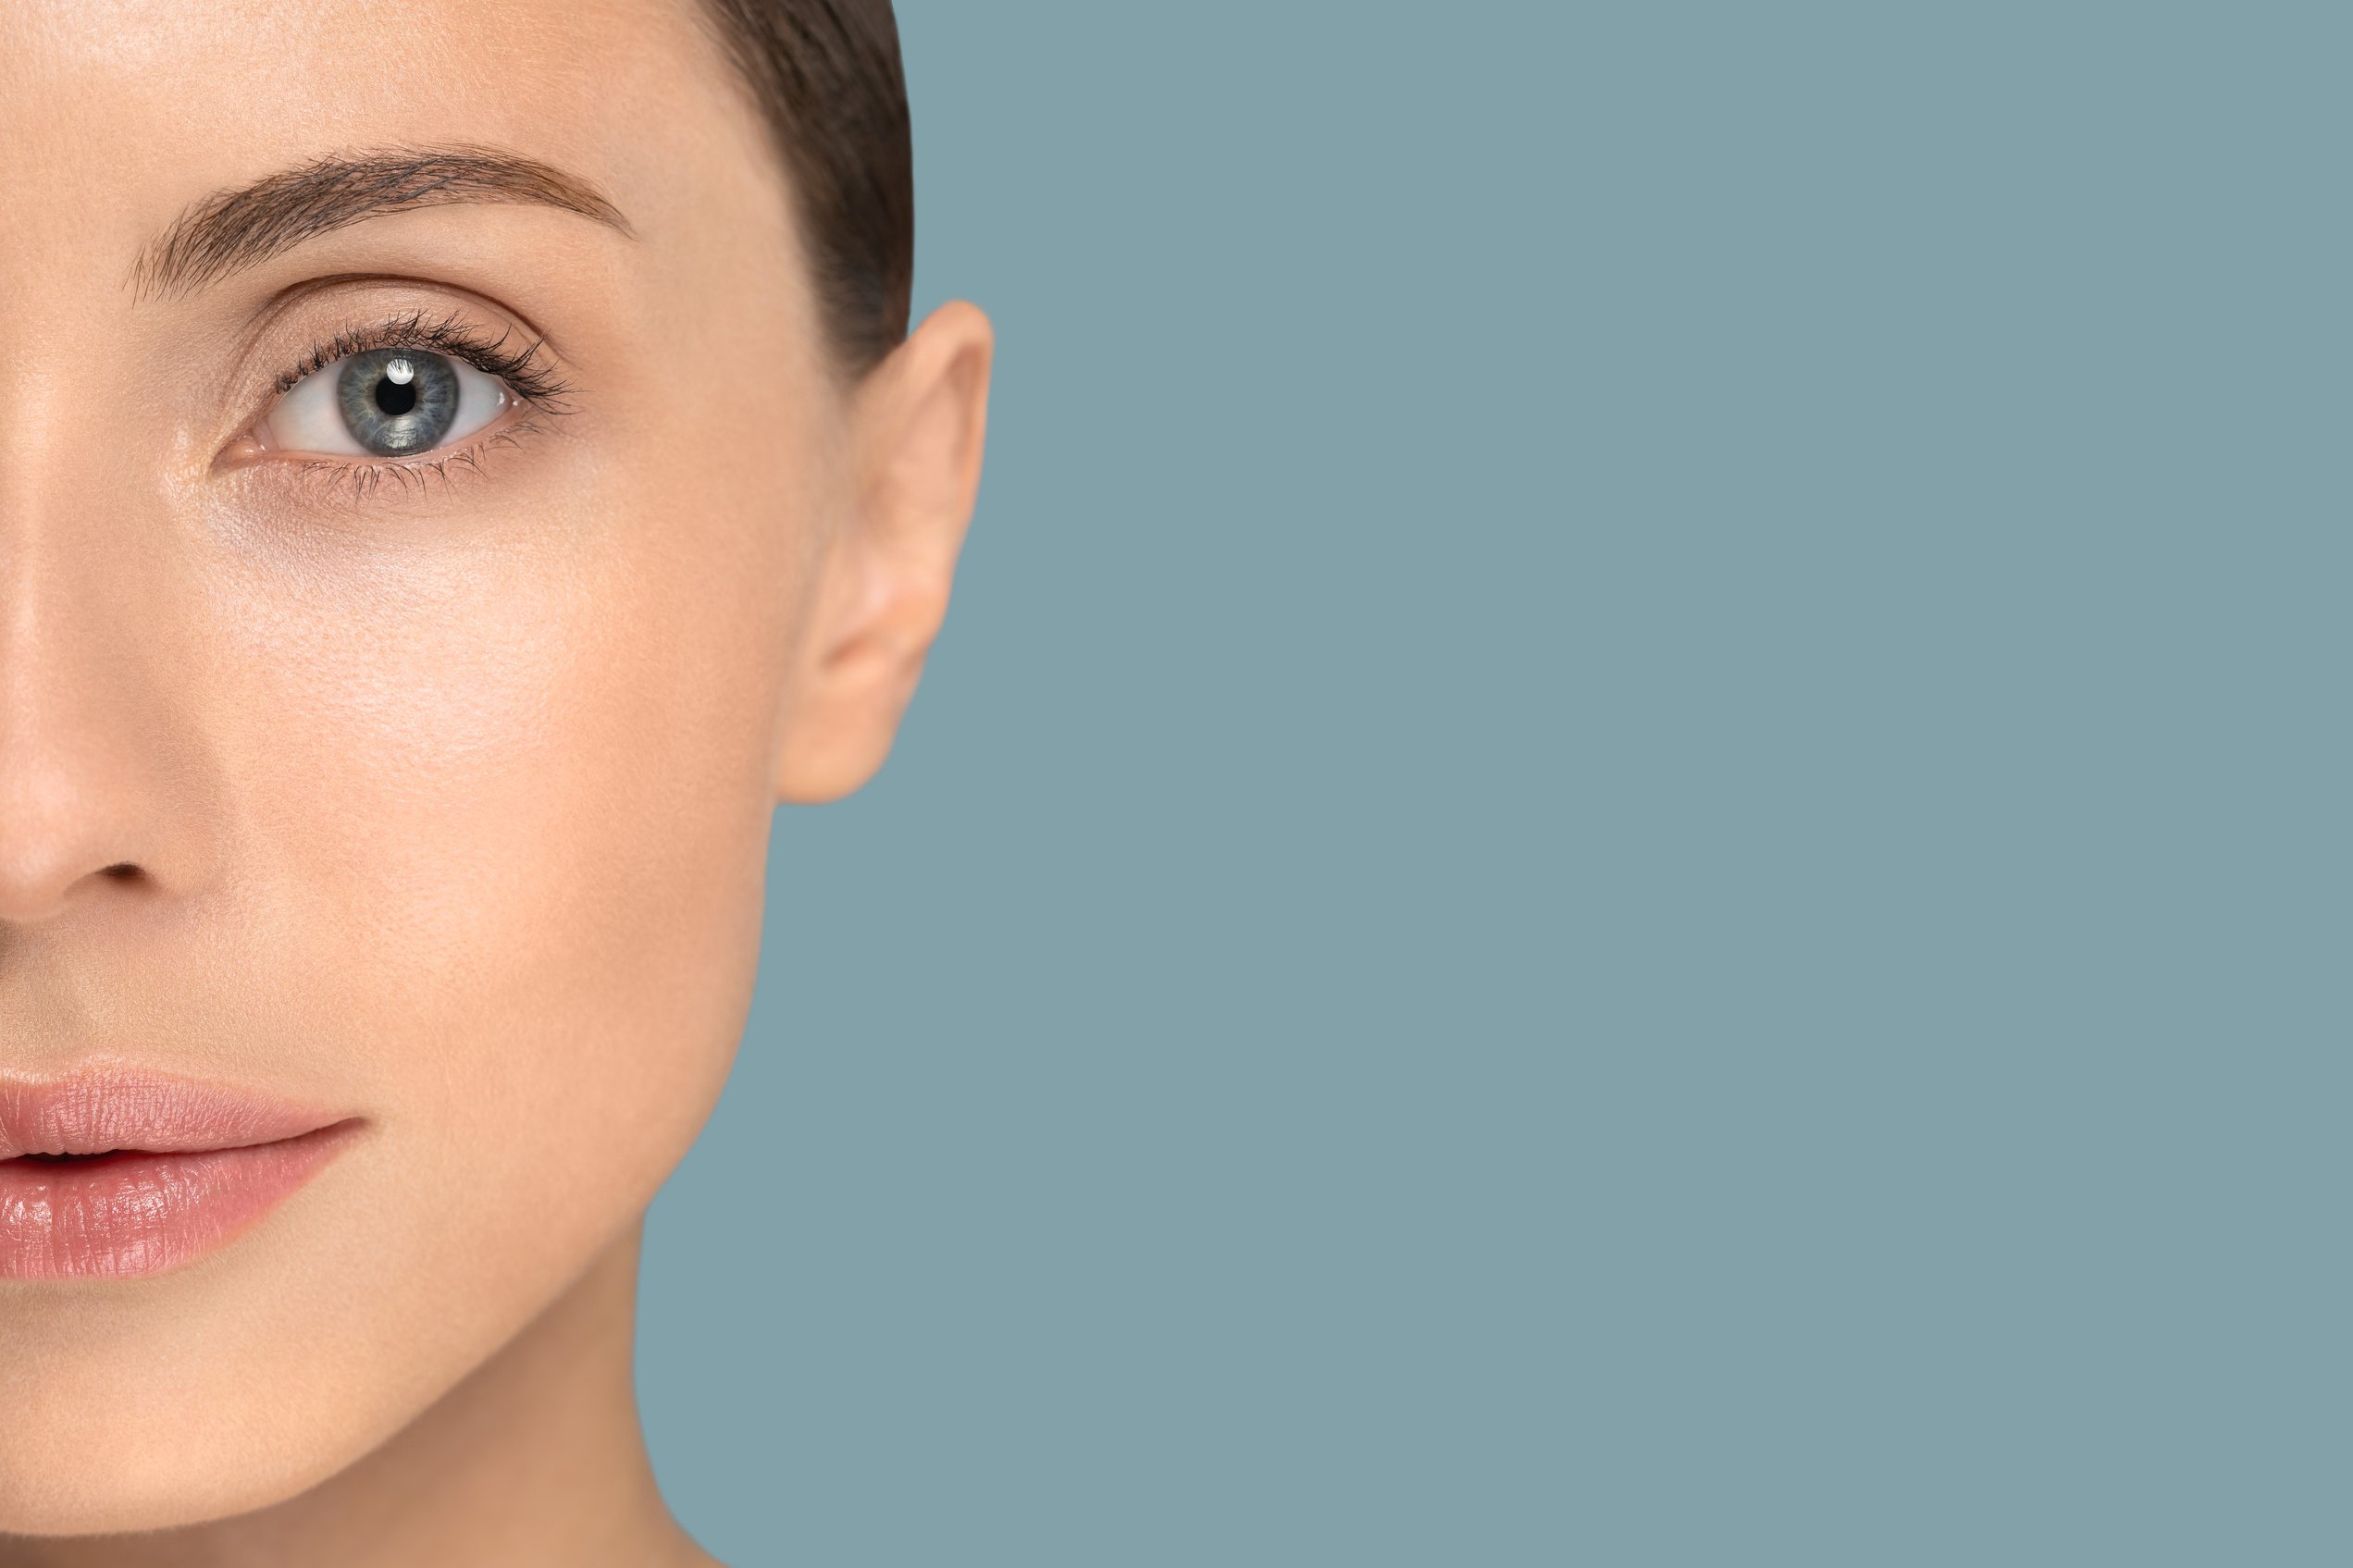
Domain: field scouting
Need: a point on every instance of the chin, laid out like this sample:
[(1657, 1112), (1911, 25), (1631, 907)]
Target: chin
[(80, 1467)]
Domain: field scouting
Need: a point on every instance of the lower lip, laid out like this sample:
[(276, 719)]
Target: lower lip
[(129, 1214)]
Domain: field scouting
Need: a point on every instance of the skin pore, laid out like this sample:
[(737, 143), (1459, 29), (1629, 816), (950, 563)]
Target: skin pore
[(433, 791)]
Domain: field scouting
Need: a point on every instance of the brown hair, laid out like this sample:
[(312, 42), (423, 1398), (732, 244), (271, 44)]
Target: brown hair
[(827, 78)]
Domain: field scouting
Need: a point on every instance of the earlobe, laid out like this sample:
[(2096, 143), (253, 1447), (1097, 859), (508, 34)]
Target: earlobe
[(919, 429)]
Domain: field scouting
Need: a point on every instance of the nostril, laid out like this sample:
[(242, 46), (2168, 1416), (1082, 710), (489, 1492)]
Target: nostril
[(123, 871)]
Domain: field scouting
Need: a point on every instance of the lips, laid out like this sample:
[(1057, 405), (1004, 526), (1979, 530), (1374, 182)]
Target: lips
[(115, 1173)]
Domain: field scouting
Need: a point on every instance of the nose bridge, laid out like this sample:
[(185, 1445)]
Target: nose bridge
[(101, 760), (89, 781)]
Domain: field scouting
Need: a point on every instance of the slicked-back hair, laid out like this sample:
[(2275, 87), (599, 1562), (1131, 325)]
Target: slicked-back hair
[(827, 78)]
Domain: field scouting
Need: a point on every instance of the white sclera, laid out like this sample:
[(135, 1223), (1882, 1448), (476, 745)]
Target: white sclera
[(308, 419)]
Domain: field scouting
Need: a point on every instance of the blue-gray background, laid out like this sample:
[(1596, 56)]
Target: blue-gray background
[(1628, 844)]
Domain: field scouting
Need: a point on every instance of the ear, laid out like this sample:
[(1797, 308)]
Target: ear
[(918, 424)]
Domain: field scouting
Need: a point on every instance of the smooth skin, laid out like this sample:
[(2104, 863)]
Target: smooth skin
[(448, 802)]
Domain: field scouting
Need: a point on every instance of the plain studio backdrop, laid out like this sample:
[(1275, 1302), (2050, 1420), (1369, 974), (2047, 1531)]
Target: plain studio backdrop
[(1628, 846)]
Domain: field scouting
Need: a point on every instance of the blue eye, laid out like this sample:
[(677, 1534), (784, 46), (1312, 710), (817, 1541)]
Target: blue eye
[(386, 402)]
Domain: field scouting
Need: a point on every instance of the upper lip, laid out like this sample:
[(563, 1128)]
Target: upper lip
[(105, 1107)]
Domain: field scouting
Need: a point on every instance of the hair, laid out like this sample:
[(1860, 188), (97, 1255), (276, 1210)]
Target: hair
[(827, 79)]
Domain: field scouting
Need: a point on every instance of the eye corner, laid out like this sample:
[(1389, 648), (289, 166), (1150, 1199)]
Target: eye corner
[(248, 445)]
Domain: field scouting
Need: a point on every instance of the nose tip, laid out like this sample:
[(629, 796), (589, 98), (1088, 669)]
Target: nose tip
[(64, 837), (95, 766)]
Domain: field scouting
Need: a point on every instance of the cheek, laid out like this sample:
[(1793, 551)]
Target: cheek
[(500, 818), (488, 831), (518, 803)]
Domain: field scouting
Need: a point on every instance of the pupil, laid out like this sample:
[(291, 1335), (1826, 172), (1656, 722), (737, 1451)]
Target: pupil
[(395, 400)]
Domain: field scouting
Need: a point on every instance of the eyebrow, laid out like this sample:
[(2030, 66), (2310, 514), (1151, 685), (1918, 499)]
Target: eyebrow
[(240, 227)]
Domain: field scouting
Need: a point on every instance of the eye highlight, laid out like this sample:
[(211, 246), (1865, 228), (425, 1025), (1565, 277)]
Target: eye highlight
[(385, 403)]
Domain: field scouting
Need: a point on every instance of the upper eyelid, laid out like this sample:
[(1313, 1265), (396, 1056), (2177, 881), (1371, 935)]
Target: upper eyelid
[(522, 368), (422, 283), (286, 333)]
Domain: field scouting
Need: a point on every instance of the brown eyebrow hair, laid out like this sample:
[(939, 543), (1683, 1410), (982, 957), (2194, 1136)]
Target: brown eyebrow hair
[(253, 223)]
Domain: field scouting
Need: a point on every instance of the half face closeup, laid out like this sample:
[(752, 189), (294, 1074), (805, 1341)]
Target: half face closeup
[(439, 523)]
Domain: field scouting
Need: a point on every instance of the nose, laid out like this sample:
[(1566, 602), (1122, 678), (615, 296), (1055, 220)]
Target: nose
[(97, 778)]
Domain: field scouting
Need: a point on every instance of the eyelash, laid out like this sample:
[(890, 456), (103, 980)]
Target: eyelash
[(525, 371)]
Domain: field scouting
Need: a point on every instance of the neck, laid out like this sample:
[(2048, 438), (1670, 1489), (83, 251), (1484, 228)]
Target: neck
[(536, 1458)]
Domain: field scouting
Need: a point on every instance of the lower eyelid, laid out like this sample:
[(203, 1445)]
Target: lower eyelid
[(338, 479)]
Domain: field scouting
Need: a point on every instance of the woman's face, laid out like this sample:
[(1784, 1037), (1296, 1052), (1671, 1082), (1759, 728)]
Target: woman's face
[(430, 786)]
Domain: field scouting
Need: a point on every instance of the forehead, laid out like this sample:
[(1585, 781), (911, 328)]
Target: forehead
[(119, 113)]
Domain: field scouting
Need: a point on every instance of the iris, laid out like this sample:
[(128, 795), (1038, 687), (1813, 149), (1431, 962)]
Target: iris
[(397, 401)]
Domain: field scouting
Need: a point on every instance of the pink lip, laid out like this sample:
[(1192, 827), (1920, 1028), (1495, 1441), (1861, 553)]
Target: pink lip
[(173, 1169)]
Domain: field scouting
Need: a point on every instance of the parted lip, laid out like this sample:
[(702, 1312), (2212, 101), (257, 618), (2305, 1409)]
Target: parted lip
[(107, 1106)]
